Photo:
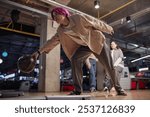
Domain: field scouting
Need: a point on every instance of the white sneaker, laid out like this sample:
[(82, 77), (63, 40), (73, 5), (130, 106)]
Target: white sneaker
[(107, 92), (92, 89)]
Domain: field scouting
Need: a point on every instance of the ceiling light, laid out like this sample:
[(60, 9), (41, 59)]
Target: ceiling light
[(128, 19), (1, 60), (5, 54), (143, 69), (122, 20), (96, 4), (135, 45), (140, 58)]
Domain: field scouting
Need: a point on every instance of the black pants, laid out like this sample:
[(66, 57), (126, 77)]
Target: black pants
[(78, 60)]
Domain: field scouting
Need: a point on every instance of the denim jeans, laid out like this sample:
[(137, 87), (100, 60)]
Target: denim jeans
[(92, 73)]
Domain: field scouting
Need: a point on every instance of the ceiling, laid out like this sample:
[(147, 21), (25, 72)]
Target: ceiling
[(133, 37)]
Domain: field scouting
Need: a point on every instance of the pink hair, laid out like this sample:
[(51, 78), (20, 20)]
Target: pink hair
[(61, 11)]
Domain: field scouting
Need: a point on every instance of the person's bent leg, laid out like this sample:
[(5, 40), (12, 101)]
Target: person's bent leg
[(77, 62)]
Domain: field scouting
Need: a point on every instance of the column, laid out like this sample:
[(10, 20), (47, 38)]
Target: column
[(49, 80)]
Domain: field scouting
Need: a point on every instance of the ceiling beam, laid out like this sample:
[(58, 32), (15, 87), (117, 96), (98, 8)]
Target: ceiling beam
[(56, 4), (25, 7), (18, 31), (134, 16), (117, 9)]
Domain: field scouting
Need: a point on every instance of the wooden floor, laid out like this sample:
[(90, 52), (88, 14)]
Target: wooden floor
[(99, 95)]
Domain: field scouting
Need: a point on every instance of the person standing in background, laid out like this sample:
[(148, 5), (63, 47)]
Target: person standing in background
[(118, 64), (91, 66), (117, 58)]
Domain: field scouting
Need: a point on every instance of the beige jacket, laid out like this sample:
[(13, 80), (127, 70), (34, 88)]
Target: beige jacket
[(82, 30)]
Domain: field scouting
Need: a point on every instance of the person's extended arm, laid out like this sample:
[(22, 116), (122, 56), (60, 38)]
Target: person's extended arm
[(87, 61), (48, 46), (88, 64)]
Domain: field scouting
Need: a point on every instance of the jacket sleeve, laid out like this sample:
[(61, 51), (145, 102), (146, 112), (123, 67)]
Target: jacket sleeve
[(88, 21), (50, 44)]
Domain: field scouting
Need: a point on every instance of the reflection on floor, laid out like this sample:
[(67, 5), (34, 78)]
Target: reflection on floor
[(99, 95)]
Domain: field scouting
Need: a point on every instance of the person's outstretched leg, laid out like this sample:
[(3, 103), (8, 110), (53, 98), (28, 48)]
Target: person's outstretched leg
[(106, 60)]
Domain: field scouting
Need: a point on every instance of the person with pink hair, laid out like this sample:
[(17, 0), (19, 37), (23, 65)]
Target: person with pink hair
[(61, 11), (80, 36)]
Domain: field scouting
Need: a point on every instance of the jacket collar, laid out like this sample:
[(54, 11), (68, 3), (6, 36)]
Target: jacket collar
[(71, 23)]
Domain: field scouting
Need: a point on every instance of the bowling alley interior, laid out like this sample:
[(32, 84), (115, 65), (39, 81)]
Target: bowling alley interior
[(26, 25)]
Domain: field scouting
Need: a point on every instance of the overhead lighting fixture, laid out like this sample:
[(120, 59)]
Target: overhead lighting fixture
[(96, 4), (122, 20), (128, 19), (144, 69), (140, 58), (1, 61), (135, 45), (4, 54)]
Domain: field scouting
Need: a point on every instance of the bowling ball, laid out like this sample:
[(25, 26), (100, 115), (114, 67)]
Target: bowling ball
[(26, 63)]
